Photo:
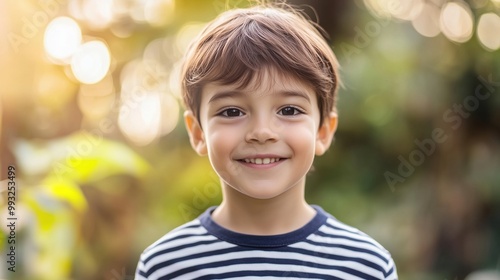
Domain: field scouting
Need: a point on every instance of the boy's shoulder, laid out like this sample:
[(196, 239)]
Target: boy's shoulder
[(339, 234), (187, 233)]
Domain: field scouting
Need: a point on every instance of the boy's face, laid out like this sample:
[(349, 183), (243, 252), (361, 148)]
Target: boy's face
[(261, 140)]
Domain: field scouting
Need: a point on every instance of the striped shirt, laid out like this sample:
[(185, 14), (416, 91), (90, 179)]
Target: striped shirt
[(322, 249)]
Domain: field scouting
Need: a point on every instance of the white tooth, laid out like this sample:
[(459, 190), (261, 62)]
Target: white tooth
[(258, 161), (247, 160), (272, 160), (252, 160), (266, 160)]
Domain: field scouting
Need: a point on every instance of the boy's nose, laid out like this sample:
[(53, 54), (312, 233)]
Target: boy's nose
[(261, 131)]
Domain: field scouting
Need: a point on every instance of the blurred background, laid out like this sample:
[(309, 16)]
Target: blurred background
[(90, 118)]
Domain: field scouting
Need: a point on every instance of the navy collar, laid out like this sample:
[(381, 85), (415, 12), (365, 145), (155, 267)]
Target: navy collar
[(263, 241)]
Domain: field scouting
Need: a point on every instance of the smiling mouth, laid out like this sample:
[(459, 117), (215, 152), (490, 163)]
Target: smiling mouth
[(261, 160)]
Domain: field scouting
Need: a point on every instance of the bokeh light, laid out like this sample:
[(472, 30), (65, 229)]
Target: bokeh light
[(378, 7), (147, 109), (98, 13), (159, 12), (187, 33), (456, 21), (175, 80), (170, 114), (91, 62), (96, 100), (404, 9), (488, 30), (62, 38), (139, 118), (427, 22)]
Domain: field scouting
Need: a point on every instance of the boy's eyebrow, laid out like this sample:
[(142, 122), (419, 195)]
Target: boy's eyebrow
[(296, 93), (225, 94)]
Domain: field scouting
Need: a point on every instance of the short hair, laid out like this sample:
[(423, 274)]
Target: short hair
[(240, 42)]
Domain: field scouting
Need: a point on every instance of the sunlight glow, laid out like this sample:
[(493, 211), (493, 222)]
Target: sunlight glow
[(147, 109), (98, 13), (91, 62), (62, 38), (159, 12), (456, 21), (170, 114), (95, 101), (427, 22), (400, 9), (404, 9), (139, 119), (487, 31), (186, 34)]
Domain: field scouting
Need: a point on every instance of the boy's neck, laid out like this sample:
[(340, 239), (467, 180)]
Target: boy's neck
[(278, 215)]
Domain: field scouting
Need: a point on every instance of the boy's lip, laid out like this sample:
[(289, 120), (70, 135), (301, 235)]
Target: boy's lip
[(262, 160), (261, 156)]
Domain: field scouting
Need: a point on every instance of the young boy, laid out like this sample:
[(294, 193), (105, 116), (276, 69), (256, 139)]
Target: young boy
[(259, 85)]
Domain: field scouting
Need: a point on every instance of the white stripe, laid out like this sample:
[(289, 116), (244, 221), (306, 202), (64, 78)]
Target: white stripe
[(259, 267), (138, 277), (273, 278), (175, 231), (168, 243), (347, 242), (343, 253), (343, 226), (179, 242), (189, 251), (140, 267), (355, 235), (271, 256)]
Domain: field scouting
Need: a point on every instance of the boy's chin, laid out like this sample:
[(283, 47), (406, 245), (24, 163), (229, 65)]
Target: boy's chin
[(260, 192)]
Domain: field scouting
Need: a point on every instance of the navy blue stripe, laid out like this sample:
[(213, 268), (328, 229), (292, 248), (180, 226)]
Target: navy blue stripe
[(334, 257), (283, 274), (196, 256), (351, 248), (262, 261), (324, 234), (361, 234), (180, 247), (282, 249), (389, 272), (181, 236)]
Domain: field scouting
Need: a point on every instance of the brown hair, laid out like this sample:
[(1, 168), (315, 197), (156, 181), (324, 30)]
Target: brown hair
[(240, 42)]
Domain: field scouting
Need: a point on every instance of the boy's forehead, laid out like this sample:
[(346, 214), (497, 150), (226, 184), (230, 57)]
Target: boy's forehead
[(264, 81)]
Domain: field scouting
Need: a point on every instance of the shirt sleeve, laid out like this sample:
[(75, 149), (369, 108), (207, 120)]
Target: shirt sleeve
[(140, 272), (391, 271)]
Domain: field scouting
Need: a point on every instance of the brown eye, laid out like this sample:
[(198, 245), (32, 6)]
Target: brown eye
[(289, 111), (231, 113)]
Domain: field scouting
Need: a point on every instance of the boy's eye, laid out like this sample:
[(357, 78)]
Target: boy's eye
[(289, 111), (231, 112)]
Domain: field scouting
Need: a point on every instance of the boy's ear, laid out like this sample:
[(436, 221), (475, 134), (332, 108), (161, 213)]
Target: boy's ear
[(196, 136), (325, 133)]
